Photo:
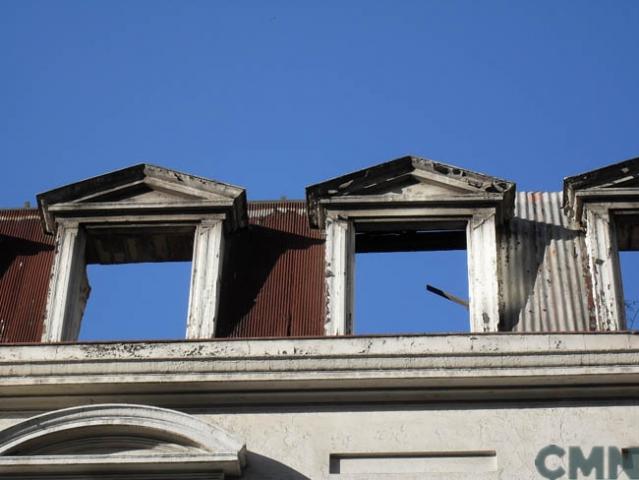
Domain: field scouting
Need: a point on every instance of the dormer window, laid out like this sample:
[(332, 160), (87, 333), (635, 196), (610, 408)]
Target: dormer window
[(139, 214), (605, 202), (411, 204)]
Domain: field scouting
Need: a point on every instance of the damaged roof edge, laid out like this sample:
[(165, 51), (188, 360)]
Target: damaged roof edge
[(93, 187), (602, 177), (354, 182)]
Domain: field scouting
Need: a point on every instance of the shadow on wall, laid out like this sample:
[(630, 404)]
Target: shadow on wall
[(12, 247), (24, 281), (255, 257), (265, 468), (534, 255)]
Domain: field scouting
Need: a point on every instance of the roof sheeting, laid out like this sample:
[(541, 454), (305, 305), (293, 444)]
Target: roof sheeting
[(26, 254), (273, 276), (545, 285), (273, 281)]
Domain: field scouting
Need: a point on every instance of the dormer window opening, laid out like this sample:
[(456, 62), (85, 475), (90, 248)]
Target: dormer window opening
[(141, 214), (605, 203), (411, 204), (136, 301), (411, 280), (627, 233)]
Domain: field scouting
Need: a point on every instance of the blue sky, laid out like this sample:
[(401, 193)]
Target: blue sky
[(277, 95)]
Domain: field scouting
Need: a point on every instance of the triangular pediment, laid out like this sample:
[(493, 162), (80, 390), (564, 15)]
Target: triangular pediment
[(616, 181), (618, 175), (409, 178), (144, 185)]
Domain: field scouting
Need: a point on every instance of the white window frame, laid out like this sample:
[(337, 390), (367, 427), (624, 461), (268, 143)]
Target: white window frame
[(144, 199), (482, 250), (595, 200), (599, 219), (68, 288)]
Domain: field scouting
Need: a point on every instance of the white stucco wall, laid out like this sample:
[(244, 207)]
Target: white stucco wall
[(296, 442), (380, 397)]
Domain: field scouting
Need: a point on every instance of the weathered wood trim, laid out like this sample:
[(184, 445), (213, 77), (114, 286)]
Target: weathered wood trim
[(481, 241), (415, 199), (114, 207), (206, 274), (68, 290), (339, 263), (605, 271), (409, 213), (483, 273)]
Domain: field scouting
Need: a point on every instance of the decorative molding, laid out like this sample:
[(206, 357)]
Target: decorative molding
[(60, 442), (423, 368), (410, 194), (141, 201)]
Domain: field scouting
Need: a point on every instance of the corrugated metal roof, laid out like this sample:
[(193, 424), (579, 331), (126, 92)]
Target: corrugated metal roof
[(273, 278), (273, 281), (545, 285), (26, 254)]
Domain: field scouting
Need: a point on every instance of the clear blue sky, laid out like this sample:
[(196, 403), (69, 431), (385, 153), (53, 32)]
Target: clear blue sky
[(277, 95)]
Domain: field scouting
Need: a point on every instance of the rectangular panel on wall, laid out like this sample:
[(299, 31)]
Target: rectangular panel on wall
[(435, 464)]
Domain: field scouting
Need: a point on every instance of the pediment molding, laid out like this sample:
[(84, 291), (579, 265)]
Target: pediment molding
[(618, 182), (142, 189), (410, 180)]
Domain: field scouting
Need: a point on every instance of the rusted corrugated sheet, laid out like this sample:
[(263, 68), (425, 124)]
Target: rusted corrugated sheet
[(26, 254), (542, 262), (273, 280)]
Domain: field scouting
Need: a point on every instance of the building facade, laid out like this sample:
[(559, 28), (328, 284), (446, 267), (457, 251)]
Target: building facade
[(270, 381)]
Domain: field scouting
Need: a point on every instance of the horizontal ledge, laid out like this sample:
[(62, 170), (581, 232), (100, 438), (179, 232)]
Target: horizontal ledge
[(490, 366), (361, 346), (132, 206), (607, 192), (73, 464), (475, 199), (463, 197)]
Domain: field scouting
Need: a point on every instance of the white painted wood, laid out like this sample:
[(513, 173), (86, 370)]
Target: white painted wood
[(462, 200), (483, 274), (339, 263), (605, 273), (206, 276), (80, 209), (68, 290), (399, 212), (349, 307)]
